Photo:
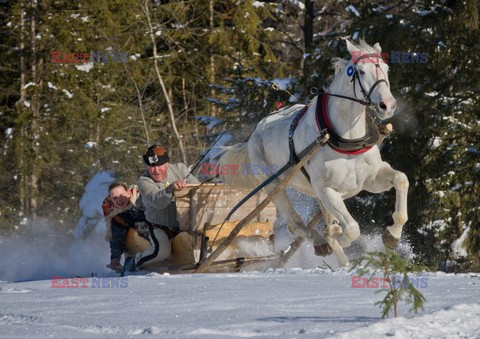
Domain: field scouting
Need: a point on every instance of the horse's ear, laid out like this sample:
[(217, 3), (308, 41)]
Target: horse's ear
[(377, 47), (351, 47)]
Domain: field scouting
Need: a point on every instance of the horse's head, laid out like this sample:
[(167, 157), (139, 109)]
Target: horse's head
[(370, 77)]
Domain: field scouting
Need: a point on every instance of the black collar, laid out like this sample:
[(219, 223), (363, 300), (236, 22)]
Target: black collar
[(339, 144)]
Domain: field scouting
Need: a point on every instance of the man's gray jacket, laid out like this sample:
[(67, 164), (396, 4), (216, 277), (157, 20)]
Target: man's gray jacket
[(157, 197)]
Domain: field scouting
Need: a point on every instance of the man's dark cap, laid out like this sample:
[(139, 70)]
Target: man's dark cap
[(155, 156)]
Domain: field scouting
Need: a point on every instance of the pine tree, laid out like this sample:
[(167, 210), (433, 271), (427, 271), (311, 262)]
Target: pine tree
[(395, 269)]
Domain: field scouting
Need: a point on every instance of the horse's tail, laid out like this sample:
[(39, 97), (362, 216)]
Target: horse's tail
[(231, 165)]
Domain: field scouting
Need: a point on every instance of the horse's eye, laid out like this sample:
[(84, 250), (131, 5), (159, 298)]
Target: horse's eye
[(362, 72)]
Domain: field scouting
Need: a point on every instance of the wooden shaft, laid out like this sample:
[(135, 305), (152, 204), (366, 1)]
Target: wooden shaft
[(295, 245), (385, 131), (228, 240)]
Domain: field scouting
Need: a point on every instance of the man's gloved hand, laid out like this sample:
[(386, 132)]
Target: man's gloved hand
[(179, 184)]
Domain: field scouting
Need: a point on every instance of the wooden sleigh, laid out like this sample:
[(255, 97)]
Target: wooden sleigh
[(201, 213)]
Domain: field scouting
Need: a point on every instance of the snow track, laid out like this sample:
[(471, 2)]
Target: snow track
[(275, 303)]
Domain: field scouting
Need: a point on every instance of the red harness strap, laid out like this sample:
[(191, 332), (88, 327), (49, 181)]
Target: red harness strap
[(322, 120)]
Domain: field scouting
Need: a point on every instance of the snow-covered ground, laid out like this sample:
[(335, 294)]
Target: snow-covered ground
[(292, 302), (276, 302)]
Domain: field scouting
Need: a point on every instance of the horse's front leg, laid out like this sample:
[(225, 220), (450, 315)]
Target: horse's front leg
[(338, 234), (331, 229), (385, 179), (294, 221), (333, 202)]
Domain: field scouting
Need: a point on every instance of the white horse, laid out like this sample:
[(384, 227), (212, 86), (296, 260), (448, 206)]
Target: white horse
[(340, 170)]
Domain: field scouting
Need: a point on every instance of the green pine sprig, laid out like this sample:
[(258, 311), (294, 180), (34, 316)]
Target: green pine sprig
[(391, 264)]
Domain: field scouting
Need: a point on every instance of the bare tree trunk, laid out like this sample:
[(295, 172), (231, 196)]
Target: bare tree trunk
[(308, 35), (142, 113), (185, 104), (212, 108), (195, 120), (140, 106), (171, 115), (308, 26), (35, 117), (23, 97), (472, 10), (97, 134)]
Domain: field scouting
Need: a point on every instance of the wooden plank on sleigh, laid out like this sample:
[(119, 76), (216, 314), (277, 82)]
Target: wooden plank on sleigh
[(258, 229), (211, 203)]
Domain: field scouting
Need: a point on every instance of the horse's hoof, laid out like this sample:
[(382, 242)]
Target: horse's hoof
[(332, 230), (323, 250), (389, 240)]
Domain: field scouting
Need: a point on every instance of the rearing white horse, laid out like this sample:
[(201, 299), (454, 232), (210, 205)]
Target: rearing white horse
[(349, 164)]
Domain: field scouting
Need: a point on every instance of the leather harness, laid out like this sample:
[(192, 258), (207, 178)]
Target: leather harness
[(336, 142)]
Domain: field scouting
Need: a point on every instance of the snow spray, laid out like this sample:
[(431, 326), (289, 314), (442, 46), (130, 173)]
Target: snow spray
[(43, 250)]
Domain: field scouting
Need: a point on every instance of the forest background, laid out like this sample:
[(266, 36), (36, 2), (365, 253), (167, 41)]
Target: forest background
[(195, 68)]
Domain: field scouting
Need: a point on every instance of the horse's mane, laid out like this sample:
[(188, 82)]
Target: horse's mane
[(339, 64)]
